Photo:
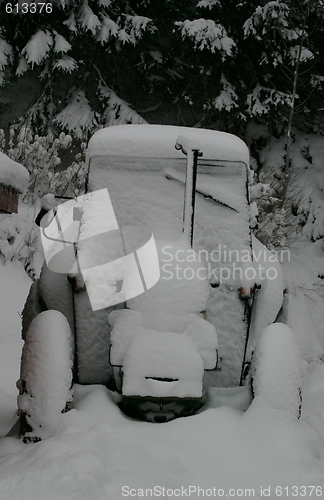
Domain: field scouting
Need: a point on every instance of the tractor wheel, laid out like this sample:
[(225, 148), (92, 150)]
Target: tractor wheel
[(46, 375), (276, 369)]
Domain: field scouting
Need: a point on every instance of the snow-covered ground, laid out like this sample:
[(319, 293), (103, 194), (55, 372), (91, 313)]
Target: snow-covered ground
[(228, 449)]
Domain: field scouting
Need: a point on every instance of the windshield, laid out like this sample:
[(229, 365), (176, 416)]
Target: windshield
[(150, 192)]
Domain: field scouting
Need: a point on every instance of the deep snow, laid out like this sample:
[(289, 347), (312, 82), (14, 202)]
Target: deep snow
[(97, 450)]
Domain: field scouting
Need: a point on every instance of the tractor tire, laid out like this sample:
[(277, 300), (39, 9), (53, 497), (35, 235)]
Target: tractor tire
[(276, 369), (45, 384)]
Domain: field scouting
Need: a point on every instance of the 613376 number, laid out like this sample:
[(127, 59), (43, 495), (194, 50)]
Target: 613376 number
[(29, 8)]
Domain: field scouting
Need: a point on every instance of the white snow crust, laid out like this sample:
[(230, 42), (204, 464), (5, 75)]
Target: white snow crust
[(158, 141), (13, 174)]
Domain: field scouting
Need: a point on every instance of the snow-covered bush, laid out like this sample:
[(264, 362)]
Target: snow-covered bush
[(276, 227), (290, 203), (41, 155)]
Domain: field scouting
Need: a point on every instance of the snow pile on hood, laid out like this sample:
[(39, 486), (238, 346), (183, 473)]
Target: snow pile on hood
[(127, 323), (13, 174)]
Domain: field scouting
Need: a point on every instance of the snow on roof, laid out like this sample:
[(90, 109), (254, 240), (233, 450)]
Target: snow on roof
[(13, 174), (158, 141)]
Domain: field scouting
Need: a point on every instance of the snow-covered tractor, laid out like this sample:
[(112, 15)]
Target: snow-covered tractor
[(149, 279)]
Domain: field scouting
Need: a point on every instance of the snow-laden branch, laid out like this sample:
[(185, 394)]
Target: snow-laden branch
[(207, 34)]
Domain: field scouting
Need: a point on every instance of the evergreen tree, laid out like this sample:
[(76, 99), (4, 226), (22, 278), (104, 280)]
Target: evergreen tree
[(205, 63)]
